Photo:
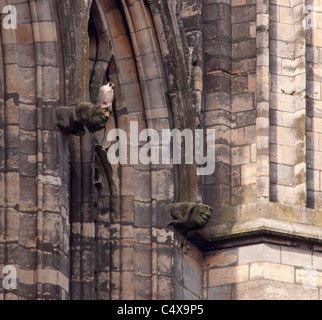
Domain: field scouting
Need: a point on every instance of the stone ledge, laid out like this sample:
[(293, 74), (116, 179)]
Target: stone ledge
[(263, 220), (270, 225)]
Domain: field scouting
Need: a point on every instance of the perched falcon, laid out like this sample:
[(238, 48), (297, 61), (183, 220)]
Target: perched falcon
[(106, 95)]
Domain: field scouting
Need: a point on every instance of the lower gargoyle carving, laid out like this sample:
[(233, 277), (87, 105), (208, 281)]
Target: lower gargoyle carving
[(190, 216), (73, 119)]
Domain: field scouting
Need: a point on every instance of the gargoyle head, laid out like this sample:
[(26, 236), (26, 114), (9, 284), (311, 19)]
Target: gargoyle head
[(190, 216), (200, 214), (98, 119)]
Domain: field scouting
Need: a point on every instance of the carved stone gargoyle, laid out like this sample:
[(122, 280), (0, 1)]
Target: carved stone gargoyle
[(73, 119), (190, 217)]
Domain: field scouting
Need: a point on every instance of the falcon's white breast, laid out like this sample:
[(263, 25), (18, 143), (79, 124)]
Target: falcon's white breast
[(106, 95)]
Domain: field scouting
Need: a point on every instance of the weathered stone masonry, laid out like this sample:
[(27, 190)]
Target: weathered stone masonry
[(77, 227)]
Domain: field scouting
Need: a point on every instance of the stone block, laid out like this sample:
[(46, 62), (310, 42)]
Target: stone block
[(127, 257), (262, 146), (262, 186), (282, 31), (282, 174), (127, 292), (142, 288), (240, 30), (272, 271), (317, 37), (244, 65), (273, 290), (284, 49), (192, 275), (241, 155), (258, 253), (308, 277), (165, 261), (242, 102), (142, 183), (220, 293), (243, 14), (248, 174), (296, 257), (28, 194), (127, 181), (262, 166), (288, 155), (142, 254), (317, 260), (244, 49), (217, 83), (239, 85), (286, 15), (217, 100), (12, 189), (282, 135), (235, 176), (164, 283), (228, 275), (247, 118), (216, 11), (221, 259), (243, 194)]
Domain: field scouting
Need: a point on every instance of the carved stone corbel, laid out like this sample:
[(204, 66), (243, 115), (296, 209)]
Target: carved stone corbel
[(74, 119), (190, 217)]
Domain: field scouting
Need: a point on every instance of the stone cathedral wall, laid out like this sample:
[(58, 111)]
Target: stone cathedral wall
[(75, 226)]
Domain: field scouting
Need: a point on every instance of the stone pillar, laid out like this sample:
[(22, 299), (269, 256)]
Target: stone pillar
[(34, 158), (314, 101), (217, 37), (288, 104), (262, 79), (243, 103)]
